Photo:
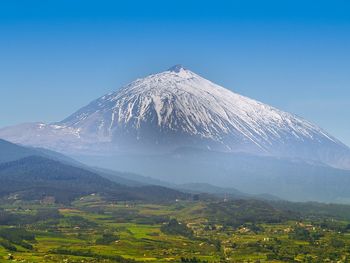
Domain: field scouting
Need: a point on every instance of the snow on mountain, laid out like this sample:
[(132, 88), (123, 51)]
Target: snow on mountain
[(178, 108), (49, 136)]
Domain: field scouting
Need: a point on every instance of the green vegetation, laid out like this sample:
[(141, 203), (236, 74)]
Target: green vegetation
[(107, 239), (176, 228), (39, 178), (95, 229)]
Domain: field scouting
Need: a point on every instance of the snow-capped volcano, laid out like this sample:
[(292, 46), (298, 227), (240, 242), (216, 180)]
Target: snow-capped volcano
[(178, 108)]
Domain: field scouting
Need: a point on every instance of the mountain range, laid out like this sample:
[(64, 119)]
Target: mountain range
[(34, 175)]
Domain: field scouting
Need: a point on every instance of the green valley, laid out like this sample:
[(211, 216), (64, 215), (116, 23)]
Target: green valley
[(95, 229)]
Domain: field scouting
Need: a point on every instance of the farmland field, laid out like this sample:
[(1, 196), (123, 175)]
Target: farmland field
[(94, 230)]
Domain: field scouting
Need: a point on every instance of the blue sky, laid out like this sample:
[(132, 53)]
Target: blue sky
[(56, 56)]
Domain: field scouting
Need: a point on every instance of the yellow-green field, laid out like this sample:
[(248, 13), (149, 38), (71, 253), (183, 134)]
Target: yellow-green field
[(93, 230)]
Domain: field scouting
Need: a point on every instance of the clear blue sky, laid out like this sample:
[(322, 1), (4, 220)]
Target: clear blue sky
[(56, 56)]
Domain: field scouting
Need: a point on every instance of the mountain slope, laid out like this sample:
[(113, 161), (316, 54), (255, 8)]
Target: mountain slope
[(178, 108), (35, 177), (293, 180), (11, 152)]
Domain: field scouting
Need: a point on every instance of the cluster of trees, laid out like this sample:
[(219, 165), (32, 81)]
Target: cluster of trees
[(7, 218), (89, 253), (106, 239), (192, 260), (173, 227), (13, 219), (315, 211), (78, 221), (16, 236), (334, 225), (238, 212), (301, 233)]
